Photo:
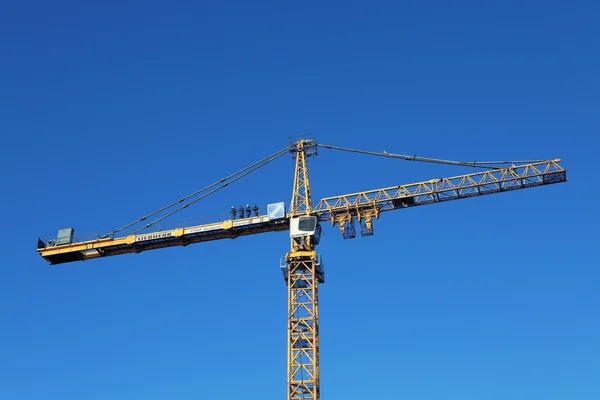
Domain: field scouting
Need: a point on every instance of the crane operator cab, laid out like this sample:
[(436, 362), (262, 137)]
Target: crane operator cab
[(305, 226), (302, 228)]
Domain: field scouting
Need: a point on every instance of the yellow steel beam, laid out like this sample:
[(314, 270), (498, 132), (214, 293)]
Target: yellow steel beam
[(369, 204), (85, 246), (303, 330), (303, 282), (301, 200), (101, 247), (362, 206)]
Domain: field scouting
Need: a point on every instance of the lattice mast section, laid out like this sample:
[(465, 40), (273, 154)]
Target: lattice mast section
[(303, 277), (301, 201)]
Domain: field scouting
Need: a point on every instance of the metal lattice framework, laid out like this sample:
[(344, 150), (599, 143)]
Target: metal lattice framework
[(301, 201), (364, 206), (303, 330), (303, 277)]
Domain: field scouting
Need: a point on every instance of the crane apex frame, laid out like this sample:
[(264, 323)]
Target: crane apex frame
[(302, 268)]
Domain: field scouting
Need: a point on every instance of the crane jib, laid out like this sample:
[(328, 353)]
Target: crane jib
[(344, 210), (101, 247), (368, 205)]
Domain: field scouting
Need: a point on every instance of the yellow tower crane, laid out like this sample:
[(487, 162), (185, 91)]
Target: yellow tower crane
[(303, 270)]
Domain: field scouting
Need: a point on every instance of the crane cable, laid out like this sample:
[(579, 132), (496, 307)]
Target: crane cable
[(221, 182), (474, 164)]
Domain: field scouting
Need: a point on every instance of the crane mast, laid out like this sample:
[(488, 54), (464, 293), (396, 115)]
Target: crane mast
[(304, 273)]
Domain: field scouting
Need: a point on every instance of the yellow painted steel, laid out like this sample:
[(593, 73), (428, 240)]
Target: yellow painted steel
[(297, 254), (303, 284), (364, 206), (301, 201), (181, 236), (528, 171), (339, 210), (303, 330), (86, 246)]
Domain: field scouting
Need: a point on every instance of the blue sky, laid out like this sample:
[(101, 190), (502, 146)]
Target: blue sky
[(109, 110)]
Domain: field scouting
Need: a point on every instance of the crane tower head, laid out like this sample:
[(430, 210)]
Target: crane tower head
[(306, 145)]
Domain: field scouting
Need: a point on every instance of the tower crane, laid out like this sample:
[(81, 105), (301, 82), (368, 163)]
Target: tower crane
[(302, 268)]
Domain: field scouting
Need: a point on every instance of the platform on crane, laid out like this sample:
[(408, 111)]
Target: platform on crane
[(56, 253)]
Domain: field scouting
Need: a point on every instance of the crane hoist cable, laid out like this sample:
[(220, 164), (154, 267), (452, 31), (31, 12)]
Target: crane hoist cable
[(474, 164), (221, 183)]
